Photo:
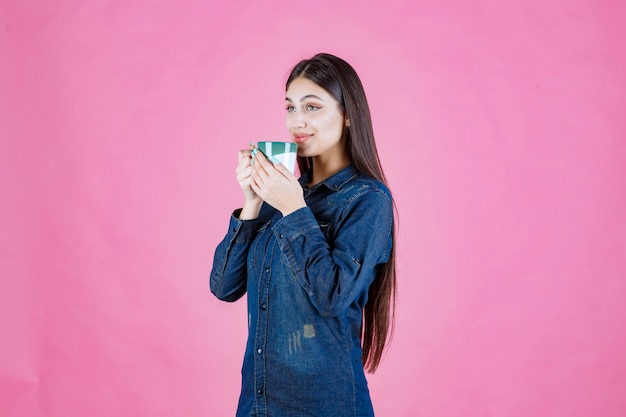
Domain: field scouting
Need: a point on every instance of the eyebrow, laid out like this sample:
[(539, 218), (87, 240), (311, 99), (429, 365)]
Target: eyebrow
[(306, 97)]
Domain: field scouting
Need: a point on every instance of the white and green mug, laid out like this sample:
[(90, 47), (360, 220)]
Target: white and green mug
[(283, 152)]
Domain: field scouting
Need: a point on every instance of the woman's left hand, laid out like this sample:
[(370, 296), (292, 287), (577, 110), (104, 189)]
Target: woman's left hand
[(276, 185)]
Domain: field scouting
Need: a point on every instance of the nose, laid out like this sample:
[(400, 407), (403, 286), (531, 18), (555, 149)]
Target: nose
[(296, 120)]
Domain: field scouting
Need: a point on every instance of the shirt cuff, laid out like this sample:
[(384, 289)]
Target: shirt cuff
[(241, 231), (295, 224)]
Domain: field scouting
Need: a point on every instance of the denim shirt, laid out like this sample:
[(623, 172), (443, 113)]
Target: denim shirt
[(307, 276)]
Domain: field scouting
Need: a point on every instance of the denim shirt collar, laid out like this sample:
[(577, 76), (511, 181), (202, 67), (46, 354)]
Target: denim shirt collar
[(334, 182)]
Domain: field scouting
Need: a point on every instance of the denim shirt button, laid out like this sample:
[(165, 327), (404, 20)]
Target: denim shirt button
[(267, 269), (259, 391), (264, 306), (281, 236), (259, 350)]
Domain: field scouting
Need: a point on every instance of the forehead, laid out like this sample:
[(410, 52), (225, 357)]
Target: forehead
[(302, 87)]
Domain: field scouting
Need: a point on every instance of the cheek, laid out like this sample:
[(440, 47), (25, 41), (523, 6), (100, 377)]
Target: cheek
[(329, 123), (336, 126)]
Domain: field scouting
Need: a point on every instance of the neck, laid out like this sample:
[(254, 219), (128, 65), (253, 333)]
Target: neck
[(327, 167)]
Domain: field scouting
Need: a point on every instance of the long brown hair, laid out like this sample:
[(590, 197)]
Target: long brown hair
[(338, 77)]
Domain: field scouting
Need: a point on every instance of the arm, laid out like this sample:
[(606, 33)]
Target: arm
[(228, 276), (334, 274)]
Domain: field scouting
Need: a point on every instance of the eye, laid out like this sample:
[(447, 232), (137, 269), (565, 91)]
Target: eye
[(290, 108), (311, 107)]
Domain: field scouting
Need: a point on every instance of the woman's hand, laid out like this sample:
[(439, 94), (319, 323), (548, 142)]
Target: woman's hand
[(253, 202), (276, 185)]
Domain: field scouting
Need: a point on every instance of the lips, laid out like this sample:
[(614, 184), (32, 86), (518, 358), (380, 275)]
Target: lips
[(300, 138)]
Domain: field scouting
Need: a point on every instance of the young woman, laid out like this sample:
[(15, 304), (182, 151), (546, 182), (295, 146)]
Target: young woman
[(314, 254)]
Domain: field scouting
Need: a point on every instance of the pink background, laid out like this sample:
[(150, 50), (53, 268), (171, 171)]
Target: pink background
[(501, 129)]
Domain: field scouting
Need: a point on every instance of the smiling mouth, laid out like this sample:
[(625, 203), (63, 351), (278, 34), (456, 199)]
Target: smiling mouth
[(301, 138)]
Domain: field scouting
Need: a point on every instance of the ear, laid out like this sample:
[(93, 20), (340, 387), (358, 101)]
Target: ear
[(347, 122)]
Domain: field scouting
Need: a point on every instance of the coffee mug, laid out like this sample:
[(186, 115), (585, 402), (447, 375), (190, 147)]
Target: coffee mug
[(283, 152)]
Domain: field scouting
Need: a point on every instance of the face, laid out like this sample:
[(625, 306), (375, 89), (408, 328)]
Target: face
[(315, 120)]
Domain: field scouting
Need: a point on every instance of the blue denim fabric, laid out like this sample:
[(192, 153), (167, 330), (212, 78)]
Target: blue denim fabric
[(307, 275)]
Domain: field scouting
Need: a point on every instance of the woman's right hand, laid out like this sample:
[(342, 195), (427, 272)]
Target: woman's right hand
[(244, 177)]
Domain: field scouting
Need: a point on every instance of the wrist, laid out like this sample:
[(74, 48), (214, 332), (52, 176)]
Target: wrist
[(287, 211), (250, 209)]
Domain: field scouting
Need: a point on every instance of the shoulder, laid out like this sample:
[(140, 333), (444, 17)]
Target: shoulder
[(362, 184), (362, 189)]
